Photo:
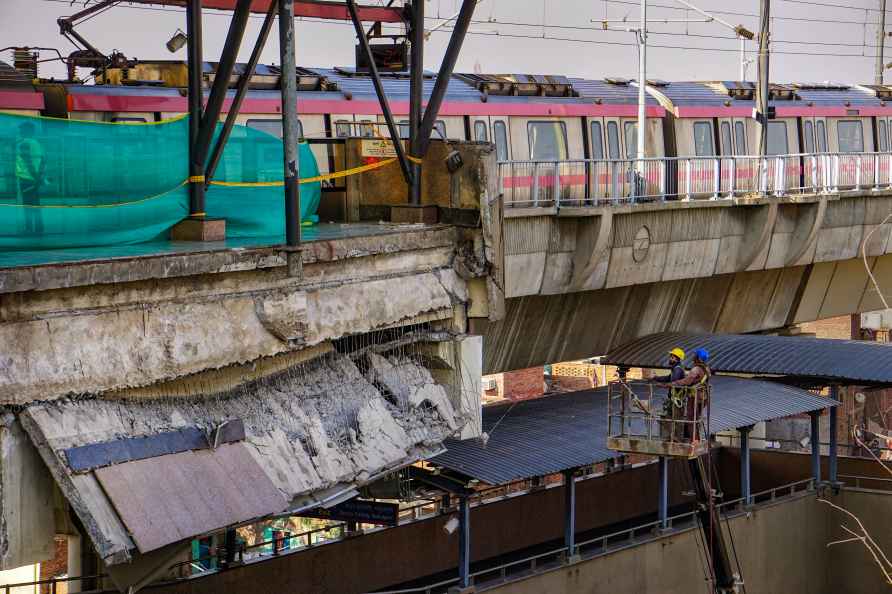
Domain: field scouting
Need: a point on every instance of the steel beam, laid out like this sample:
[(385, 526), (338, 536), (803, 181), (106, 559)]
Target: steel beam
[(745, 467), (663, 508), (221, 82), (570, 513), (455, 42), (464, 543), (289, 122), (195, 62), (834, 446), (416, 95), (379, 90), (816, 445), (240, 93)]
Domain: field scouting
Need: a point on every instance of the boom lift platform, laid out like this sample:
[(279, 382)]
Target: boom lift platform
[(673, 421)]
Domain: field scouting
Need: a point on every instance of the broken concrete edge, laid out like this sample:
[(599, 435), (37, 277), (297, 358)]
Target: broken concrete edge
[(171, 265)]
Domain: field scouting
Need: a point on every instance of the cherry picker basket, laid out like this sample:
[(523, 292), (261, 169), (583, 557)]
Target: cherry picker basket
[(658, 419)]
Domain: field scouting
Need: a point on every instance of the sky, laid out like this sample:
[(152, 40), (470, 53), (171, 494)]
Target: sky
[(813, 40)]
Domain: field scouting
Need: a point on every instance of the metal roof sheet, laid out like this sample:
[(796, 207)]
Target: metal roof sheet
[(705, 93), (547, 435), (847, 361)]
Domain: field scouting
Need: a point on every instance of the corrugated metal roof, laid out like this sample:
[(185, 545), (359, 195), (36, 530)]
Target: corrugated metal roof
[(551, 434), (847, 361), (703, 93), (395, 87)]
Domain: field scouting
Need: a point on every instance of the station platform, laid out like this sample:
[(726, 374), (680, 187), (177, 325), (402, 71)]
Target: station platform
[(313, 233)]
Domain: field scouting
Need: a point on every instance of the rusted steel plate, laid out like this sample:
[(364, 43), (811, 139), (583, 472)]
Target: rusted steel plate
[(178, 496)]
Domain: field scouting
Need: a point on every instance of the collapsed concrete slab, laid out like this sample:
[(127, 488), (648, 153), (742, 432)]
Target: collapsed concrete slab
[(312, 432)]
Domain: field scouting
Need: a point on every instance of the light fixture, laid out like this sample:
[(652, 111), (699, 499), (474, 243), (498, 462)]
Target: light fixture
[(176, 42)]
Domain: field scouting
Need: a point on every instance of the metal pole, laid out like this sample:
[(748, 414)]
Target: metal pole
[(416, 93), (663, 509), (464, 542), (379, 90), (762, 81), (455, 42), (221, 81), (240, 92), (745, 468), (570, 512), (289, 122), (816, 446), (742, 58), (196, 171), (833, 466), (881, 40), (642, 83)]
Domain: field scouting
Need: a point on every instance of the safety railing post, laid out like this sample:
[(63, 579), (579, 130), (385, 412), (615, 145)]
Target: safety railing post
[(780, 177), (662, 182), (858, 173), (732, 178), (876, 173), (614, 180), (535, 185), (835, 174), (716, 178), (556, 185), (688, 179)]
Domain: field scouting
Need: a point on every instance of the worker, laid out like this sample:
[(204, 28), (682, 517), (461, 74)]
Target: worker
[(696, 386), (29, 171), (676, 356)]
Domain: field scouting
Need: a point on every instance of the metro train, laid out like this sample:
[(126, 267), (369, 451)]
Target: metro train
[(526, 117)]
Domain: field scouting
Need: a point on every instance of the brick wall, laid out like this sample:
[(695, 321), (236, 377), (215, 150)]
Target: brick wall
[(56, 567), (522, 384), (843, 327)]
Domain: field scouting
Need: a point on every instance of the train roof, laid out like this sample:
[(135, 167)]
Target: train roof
[(736, 99)]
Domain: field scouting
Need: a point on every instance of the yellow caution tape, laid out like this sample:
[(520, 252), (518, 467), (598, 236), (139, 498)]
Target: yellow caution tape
[(196, 179), (108, 205), (318, 178)]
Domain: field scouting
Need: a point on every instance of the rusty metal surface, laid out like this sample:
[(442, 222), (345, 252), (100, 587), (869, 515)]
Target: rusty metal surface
[(174, 497), (547, 435), (846, 361)]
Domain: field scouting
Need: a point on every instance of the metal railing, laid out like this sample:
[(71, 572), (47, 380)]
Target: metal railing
[(608, 543), (591, 182)]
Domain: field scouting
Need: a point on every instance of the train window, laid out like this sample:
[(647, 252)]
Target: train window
[(727, 146), (121, 120), (777, 139), (631, 131), (500, 135), (822, 136), (481, 134), (342, 129), (884, 138), (808, 132), (740, 138), (274, 127), (404, 129), (612, 140), (366, 129), (548, 141), (597, 141), (440, 128), (704, 145), (850, 136)]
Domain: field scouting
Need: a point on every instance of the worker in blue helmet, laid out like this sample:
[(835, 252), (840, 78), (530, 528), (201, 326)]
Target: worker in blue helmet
[(696, 384)]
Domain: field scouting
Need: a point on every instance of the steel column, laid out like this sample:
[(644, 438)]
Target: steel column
[(663, 509), (379, 90), (833, 466), (816, 445), (196, 171), (240, 92), (464, 542), (221, 81), (289, 122), (455, 42), (569, 512), (416, 94), (745, 468)]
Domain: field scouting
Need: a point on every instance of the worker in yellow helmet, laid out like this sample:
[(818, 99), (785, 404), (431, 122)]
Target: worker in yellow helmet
[(673, 406), (676, 371)]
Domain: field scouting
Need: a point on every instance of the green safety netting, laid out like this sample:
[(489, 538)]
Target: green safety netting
[(71, 183)]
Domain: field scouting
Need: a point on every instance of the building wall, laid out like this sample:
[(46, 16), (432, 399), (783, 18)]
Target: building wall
[(841, 327)]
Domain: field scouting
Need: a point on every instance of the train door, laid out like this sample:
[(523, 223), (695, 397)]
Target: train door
[(599, 170), (618, 168)]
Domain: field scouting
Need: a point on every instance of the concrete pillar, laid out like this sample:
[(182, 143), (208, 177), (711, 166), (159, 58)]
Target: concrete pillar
[(470, 384), (816, 446), (833, 465), (745, 469), (75, 566), (570, 515), (663, 504)]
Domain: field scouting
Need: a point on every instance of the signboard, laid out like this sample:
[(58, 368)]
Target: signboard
[(378, 148), (361, 511)]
